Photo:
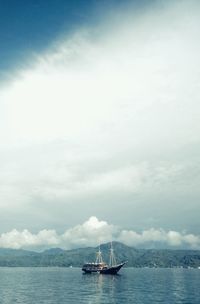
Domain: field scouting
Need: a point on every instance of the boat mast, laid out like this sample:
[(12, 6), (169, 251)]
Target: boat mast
[(112, 256), (99, 257)]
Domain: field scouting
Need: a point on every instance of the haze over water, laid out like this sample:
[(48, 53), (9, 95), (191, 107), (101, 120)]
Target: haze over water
[(69, 285)]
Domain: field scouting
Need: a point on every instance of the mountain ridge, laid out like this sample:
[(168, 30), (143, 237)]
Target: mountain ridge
[(76, 257)]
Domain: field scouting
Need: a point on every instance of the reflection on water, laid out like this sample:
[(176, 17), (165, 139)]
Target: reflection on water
[(64, 285), (103, 288)]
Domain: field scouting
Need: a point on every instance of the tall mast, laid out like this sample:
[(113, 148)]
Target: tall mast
[(99, 257), (112, 256)]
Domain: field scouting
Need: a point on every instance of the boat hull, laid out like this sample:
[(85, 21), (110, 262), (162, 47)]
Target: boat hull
[(108, 270)]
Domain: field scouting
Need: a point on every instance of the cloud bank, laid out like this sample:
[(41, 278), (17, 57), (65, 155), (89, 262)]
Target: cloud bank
[(94, 232)]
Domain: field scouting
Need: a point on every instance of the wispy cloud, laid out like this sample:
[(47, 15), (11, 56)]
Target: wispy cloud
[(96, 84), (109, 113)]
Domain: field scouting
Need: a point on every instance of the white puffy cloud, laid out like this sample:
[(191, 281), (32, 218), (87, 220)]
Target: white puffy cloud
[(94, 232), (90, 233), (160, 237), (23, 239)]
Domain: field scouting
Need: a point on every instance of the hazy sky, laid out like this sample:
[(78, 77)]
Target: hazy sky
[(99, 123)]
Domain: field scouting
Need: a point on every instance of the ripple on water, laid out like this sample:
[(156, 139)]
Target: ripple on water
[(69, 285)]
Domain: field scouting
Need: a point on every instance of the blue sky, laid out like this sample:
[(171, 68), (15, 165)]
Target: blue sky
[(99, 123), (31, 26)]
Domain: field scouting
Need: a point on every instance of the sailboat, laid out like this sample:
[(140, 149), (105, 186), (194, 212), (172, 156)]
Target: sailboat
[(99, 266)]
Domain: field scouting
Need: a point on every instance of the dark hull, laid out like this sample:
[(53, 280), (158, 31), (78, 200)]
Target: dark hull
[(108, 270), (112, 270)]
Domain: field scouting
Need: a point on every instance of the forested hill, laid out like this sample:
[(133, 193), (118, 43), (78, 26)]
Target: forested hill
[(76, 257)]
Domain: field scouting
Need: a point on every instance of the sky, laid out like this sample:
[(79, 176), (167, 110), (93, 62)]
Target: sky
[(99, 123)]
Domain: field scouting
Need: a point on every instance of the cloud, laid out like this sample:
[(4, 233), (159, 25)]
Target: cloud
[(94, 232), (94, 83), (90, 233), (108, 115), (25, 239), (159, 237)]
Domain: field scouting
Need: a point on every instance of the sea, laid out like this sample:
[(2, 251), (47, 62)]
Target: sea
[(70, 285)]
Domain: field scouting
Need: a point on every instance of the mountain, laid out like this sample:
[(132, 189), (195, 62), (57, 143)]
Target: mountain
[(76, 257), (53, 251), (15, 252)]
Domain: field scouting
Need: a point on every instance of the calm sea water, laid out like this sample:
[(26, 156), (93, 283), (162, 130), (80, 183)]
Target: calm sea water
[(69, 285)]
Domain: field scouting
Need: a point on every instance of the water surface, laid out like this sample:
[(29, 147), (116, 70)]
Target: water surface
[(69, 285)]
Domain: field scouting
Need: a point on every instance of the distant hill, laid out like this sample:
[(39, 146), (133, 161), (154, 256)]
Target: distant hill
[(76, 257)]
